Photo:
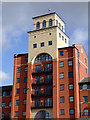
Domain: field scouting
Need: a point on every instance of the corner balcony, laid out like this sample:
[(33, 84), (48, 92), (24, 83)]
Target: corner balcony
[(41, 81), (41, 105), (41, 70), (41, 93)]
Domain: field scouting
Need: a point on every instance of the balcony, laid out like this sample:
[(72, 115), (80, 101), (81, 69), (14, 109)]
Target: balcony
[(41, 70), (41, 93), (40, 105), (41, 81)]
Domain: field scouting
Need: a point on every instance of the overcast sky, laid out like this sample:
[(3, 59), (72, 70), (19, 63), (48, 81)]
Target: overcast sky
[(17, 21)]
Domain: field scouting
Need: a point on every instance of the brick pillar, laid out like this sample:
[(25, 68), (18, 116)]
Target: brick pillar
[(29, 102), (55, 89)]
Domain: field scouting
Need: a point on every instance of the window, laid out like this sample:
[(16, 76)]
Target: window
[(61, 64), (85, 99), (78, 54), (3, 104), (34, 36), (84, 86), (37, 102), (79, 64), (17, 91), (61, 99), (10, 104), (62, 112), (18, 70), (56, 22), (2, 115), (18, 80), (61, 87), (42, 44), (25, 90), (24, 102), (71, 98), (48, 90), (25, 79), (70, 86), (61, 75), (70, 74), (61, 52), (16, 113), (34, 45), (48, 78), (37, 79), (26, 58), (26, 69), (59, 25), (50, 22), (70, 63), (62, 28), (60, 35), (85, 60), (86, 112), (24, 113), (4, 93), (38, 68), (48, 102), (49, 33), (43, 57), (49, 42), (9, 115), (17, 102), (65, 40), (85, 70), (37, 25), (44, 24), (37, 90), (10, 93), (48, 67), (71, 111)]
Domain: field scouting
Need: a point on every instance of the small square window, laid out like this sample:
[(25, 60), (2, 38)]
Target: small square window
[(85, 99), (25, 79), (62, 112), (18, 80), (34, 45), (61, 52), (70, 86), (70, 63), (61, 87), (25, 90), (49, 42), (3, 104), (62, 37), (26, 58), (10, 104), (70, 74), (17, 102), (65, 40), (26, 69), (17, 91), (18, 70), (42, 44), (71, 98), (24, 102), (86, 112), (71, 111), (61, 64), (16, 113), (61, 99), (24, 113), (49, 33), (61, 75), (34, 36)]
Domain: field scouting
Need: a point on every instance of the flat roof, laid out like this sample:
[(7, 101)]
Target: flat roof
[(85, 80), (48, 14), (17, 55)]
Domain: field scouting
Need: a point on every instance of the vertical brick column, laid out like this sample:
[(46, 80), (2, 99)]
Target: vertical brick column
[(29, 102), (55, 89)]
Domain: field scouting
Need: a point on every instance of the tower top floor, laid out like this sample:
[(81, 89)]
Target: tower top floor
[(48, 20)]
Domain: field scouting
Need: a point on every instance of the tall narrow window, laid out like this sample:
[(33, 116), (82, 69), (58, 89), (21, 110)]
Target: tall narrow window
[(59, 25), (56, 22), (37, 25), (50, 22), (44, 24)]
